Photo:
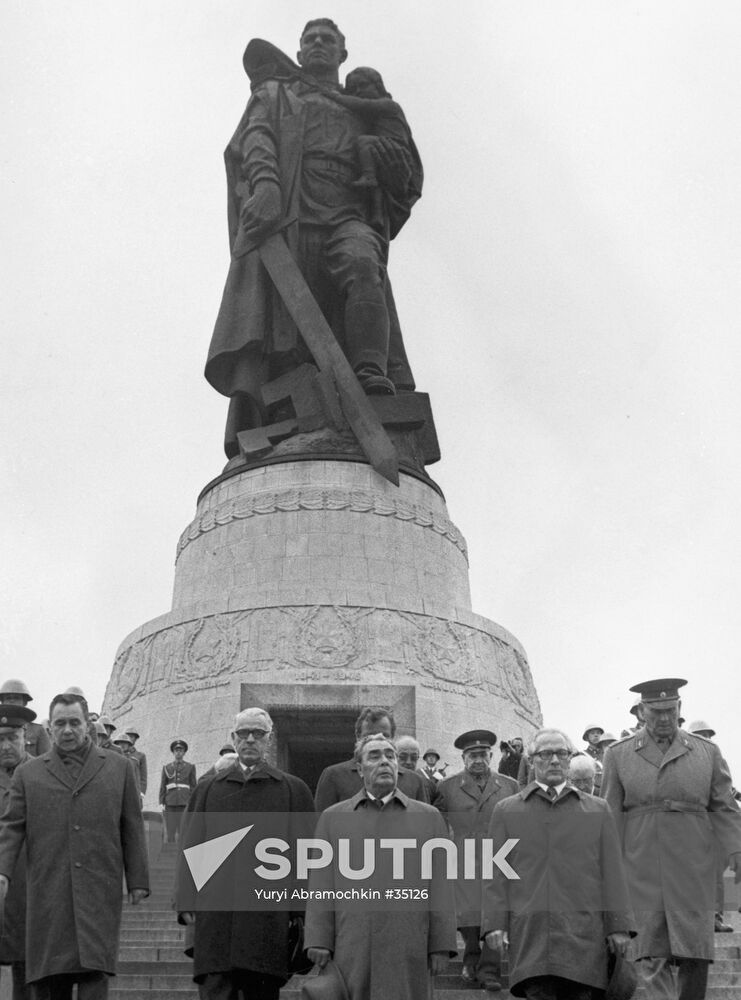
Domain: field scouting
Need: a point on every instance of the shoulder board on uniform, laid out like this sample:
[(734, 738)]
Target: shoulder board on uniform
[(687, 739)]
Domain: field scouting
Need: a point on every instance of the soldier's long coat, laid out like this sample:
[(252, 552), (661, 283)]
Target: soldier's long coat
[(81, 838), (571, 891), (670, 811), (382, 948), (13, 937), (468, 811)]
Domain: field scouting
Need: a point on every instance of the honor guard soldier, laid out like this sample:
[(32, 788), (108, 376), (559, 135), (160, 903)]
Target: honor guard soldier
[(125, 745), (15, 692), (430, 769), (141, 757), (110, 729), (178, 781)]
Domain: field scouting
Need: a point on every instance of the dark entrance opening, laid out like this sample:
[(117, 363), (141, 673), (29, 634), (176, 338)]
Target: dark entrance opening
[(309, 739)]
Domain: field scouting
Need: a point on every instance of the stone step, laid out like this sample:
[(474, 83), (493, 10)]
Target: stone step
[(155, 936), (153, 954), (159, 982)]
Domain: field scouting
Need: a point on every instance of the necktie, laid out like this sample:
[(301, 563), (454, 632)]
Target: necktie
[(552, 793)]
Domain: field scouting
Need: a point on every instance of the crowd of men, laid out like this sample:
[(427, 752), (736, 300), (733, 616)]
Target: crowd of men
[(614, 880)]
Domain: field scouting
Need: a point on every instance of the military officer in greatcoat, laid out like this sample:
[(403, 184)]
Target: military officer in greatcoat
[(15, 692), (670, 792), (467, 801), (177, 784), (13, 720)]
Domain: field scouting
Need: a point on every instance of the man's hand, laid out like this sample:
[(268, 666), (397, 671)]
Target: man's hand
[(618, 943), (497, 940), (394, 165), (319, 956), (438, 962), (734, 862), (187, 917), (262, 210), (137, 895)]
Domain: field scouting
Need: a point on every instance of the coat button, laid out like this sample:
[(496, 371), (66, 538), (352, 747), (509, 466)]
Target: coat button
[(75, 827), (78, 864)]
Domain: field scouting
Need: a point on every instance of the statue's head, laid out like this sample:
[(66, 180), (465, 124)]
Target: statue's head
[(322, 48)]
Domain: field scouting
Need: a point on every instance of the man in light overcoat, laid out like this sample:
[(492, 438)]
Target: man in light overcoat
[(670, 792), (569, 901), (388, 947)]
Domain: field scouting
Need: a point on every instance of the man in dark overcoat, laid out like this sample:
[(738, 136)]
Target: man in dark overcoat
[(383, 949), (176, 787), (467, 800), (13, 720), (671, 794), (235, 947), (569, 901), (341, 781), (77, 810)]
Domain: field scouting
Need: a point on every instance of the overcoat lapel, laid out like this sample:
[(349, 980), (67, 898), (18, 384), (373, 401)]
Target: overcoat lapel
[(469, 786), (678, 749), (57, 768), (93, 763), (650, 752), (491, 788)]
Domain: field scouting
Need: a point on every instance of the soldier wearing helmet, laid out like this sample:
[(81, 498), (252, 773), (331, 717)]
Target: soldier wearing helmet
[(140, 757), (15, 692)]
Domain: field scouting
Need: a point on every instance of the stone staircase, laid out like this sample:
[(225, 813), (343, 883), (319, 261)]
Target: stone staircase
[(153, 966)]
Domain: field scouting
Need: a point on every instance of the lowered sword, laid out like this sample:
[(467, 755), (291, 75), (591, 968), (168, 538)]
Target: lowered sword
[(330, 358)]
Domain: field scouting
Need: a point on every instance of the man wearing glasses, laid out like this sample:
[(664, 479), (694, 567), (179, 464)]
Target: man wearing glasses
[(236, 947), (570, 900)]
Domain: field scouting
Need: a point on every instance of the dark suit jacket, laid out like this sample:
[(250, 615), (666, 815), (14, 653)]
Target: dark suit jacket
[(341, 781)]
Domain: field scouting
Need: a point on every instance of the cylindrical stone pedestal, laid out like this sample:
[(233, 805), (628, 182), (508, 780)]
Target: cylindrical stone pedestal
[(314, 588)]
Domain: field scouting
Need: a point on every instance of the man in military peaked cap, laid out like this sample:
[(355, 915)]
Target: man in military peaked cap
[(467, 801), (177, 783), (15, 692), (670, 792)]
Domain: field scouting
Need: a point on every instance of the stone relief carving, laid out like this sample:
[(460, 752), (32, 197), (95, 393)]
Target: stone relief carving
[(358, 501), (327, 636), (323, 644), (211, 647)]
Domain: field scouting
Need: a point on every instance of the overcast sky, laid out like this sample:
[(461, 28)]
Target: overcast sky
[(568, 288)]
